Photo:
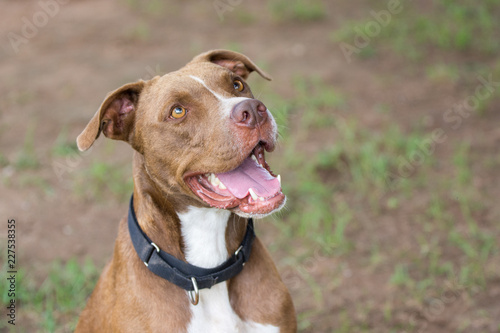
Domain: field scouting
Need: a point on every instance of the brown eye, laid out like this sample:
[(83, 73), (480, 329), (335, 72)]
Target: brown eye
[(178, 112), (238, 85)]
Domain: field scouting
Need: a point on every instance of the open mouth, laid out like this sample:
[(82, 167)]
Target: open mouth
[(252, 187)]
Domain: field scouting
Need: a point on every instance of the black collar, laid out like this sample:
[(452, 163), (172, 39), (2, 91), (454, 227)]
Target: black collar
[(180, 272)]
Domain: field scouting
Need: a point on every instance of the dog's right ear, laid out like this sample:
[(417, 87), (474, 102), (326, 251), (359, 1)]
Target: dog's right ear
[(115, 117)]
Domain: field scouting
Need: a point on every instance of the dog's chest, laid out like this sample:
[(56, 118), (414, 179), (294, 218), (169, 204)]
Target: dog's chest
[(204, 235)]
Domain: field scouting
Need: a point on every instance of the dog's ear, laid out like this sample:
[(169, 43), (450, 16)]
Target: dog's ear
[(234, 61), (115, 117)]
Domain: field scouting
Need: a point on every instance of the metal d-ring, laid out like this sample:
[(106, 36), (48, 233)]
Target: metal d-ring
[(156, 247), (238, 250), (194, 296), (157, 250)]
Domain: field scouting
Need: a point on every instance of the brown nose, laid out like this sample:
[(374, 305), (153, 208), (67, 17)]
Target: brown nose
[(250, 113)]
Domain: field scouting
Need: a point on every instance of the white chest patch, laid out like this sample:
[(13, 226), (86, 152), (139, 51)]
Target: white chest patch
[(204, 235)]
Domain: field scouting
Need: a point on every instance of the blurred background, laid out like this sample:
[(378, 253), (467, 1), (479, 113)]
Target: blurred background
[(389, 122)]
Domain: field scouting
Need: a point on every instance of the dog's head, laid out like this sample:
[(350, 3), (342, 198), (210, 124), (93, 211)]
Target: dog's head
[(201, 132)]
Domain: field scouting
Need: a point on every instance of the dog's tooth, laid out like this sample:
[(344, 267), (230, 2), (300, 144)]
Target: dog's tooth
[(222, 186), (252, 194), (261, 199), (215, 181), (279, 179), (254, 158)]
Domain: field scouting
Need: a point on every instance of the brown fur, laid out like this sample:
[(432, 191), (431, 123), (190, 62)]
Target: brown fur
[(128, 297)]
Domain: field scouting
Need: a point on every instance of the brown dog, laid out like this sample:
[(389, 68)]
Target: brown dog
[(199, 171)]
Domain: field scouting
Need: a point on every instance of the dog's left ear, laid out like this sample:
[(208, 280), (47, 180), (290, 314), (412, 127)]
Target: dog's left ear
[(234, 61), (115, 118)]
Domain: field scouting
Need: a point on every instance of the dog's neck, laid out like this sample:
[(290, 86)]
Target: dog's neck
[(204, 237)]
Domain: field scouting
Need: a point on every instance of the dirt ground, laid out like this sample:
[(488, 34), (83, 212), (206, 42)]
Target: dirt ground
[(55, 77)]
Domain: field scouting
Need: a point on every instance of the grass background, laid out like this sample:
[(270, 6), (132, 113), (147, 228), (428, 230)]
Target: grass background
[(426, 238)]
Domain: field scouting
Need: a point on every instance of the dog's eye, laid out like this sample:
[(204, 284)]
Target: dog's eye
[(178, 112), (238, 85)]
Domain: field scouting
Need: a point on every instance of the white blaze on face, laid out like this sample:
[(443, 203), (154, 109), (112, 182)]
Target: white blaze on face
[(226, 103)]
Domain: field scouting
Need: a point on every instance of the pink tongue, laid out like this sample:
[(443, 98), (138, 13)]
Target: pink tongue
[(250, 174)]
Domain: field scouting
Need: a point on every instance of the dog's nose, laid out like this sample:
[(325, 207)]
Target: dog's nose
[(249, 113)]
